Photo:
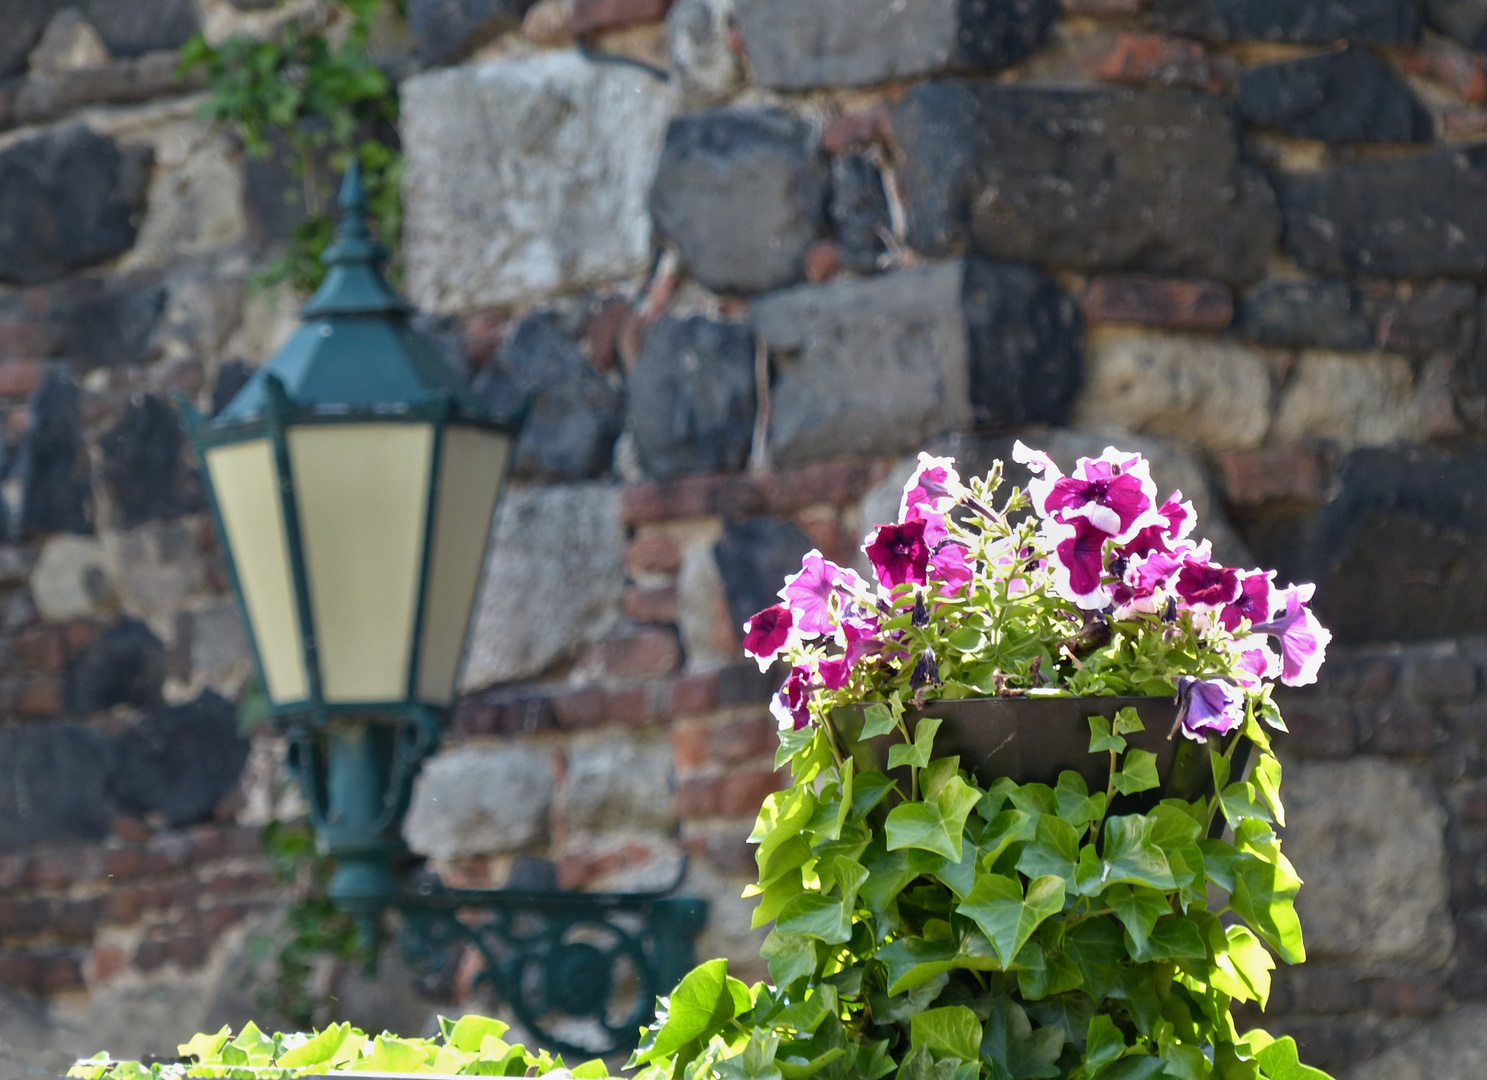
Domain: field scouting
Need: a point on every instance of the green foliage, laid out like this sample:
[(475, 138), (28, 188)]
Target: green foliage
[(931, 929), (470, 1046), (314, 93)]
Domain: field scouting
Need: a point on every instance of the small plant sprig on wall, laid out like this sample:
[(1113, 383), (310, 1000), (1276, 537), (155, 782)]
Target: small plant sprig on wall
[(938, 922), (314, 90)]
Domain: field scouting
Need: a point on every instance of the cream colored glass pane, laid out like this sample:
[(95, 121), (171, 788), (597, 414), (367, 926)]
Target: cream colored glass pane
[(471, 468), (245, 481), (362, 495)]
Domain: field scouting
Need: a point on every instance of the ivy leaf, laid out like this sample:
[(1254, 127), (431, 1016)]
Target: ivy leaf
[(1004, 830), (1280, 1062), (1069, 1012), (791, 744), (1135, 1067), (935, 826), (1219, 859), (1055, 850), (1101, 739), (1097, 946), (877, 719), (258, 1047), (1035, 799), (1238, 954), (1008, 919), (757, 1062), (1057, 975), (913, 961), (774, 897), (1103, 1043), (1173, 939), (393, 1055), (1266, 779), (1185, 1062), (1239, 803), (470, 1031), (868, 790), (796, 1070), (1075, 804), (1138, 909), (916, 753), (1131, 858), (1138, 773), (1012, 1042), (1264, 897), (811, 914), (996, 797), (1128, 721), (789, 956), (323, 1046), (952, 1031), (1219, 766), (699, 1008), (205, 1047), (783, 815), (1271, 715)]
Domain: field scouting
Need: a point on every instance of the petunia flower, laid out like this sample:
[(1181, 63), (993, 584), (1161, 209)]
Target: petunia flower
[(834, 672), (1255, 661), (1208, 706), (950, 566), (899, 553), (791, 707), (1078, 563), (768, 633), (1114, 492), (1303, 640), (1253, 603), (809, 594), (859, 639), (1178, 519), (935, 529), (1206, 586), (1144, 585), (935, 486)]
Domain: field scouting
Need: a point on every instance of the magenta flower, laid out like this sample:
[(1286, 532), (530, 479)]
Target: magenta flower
[(950, 566), (1254, 602), (834, 672), (1114, 492), (860, 640), (791, 707), (1208, 706), (1178, 519), (768, 633), (1206, 586), (1303, 640), (1255, 662), (935, 530), (935, 486), (899, 554), (1146, 580), (810, 593), (1078, 562)]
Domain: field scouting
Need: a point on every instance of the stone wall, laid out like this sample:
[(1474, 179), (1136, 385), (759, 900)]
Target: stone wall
[(746, 256)]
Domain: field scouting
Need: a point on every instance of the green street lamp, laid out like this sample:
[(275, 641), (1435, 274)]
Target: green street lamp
[(353, 482)]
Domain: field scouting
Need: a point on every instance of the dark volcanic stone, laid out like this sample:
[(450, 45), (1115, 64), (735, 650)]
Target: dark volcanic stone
[(1419, 216), (574, 414), (110, 323), (1318, 22), (56, 490), (53, 784), (795, 45), (180, 761), (1423, 320), (232, 376), (1464, 20), (859, 212), (142, 463), (742, 194), (754, 556), (1026, 344), (692, 397), (1086, 179), (1340, 97), (1301, 314), (24, 21), (134, 27), (62, 204), (124, 666), (1397, 553), (445, 30)]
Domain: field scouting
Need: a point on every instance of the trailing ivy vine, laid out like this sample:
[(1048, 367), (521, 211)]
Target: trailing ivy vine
[(314, 94)]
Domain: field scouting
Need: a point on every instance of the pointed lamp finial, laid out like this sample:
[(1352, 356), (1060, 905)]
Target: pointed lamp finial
[(354, 285)]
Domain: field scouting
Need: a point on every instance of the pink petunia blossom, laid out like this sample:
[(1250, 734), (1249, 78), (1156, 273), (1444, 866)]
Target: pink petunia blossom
[(935, 529), (834, 672), (791, 707), (859, 639), (1208, 706), (768, 633), (899, 554), (1255, 662), (1145, 583), (950, 566), (1253, 603), (1078, 563), (1303, 640), (935, 486), (1114, 492), (809, 594), (1178, 519), (1206, 586)]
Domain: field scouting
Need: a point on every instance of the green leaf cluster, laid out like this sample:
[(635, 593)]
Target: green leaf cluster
[(930, 929), (469, 1046)]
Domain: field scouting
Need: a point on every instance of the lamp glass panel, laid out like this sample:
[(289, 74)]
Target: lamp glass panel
[(362, 495), (246, 483), (472, 466)]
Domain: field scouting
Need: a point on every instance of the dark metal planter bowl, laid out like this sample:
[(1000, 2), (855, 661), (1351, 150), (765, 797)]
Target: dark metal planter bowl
[(1034, 739)]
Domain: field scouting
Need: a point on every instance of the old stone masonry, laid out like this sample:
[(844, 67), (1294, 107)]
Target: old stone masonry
[(745, 257)]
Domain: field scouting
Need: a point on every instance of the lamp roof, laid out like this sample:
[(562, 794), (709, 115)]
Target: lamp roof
[(355, 349)]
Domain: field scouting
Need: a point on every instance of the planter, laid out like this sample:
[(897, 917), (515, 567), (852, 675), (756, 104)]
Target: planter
[(1032, 740)]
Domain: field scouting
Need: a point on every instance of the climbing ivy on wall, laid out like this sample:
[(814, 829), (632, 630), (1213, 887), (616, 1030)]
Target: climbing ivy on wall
[(312, 93)]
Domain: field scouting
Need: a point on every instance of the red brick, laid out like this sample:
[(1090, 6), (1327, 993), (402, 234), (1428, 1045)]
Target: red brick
[(779, 494), (19, 378), (1406, 996), (42, 973), (1260, 476), (130, 828), (13, 870), (75, 920), (22, 340), (40, 649), (1155, 58), (835, 482), (822, 260), (151, 955), (741, 740), (1439, 317), (698, 798), (855, 129), (54, 869), (167, 852), (484, 336), (644, 654), (729, 854), (741, 794), (1153, 301), (1446, 62), (653, 553), (39, 697), (22, 917), (105, 963), (1401, 728), (125, 906), (124, 862), (651, 604), (602, 335), (693, 694), (80, 633), (631, 707), (579, 708), (1103, 7), (590, 16), (245, 884), (826, 533), (689, 745)]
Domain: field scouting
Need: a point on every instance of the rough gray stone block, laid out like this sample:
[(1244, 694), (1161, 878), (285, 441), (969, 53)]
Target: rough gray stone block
[(1464, 20), (702, 58), (53, 784), (135, 27), (754, 556), (692, 397), (527, 177), (57, 489), (795, 46), (742, 195), (1341, 97), (1418, 216), (142, 463), (1086, 179), (480, 800), (1368, 838), (1316, 22), (25, 22), (859, 212), (1450, 1047), (180, 761), (1325, 314), (554, 580), (63, 204), (125, 666), (444, 30), (617, 784), (880, 364)]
